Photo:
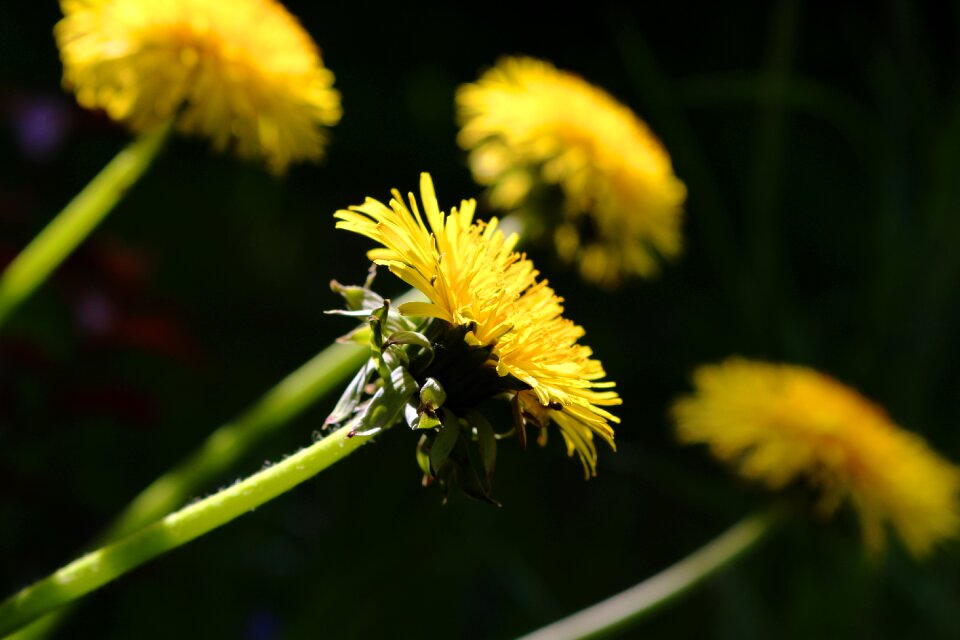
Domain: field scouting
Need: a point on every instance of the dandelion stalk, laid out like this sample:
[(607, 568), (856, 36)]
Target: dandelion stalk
[(639, 602), (231, 442), (112, 561), (227, 445), (81, 216)]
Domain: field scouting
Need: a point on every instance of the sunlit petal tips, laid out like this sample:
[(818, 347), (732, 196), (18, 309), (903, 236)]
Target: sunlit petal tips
[(242, 73), (580, 167), (777, 424), (475, 281)]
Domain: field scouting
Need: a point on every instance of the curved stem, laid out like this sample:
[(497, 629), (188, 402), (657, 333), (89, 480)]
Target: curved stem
[(640, 601), (62, 235), (104, 565)]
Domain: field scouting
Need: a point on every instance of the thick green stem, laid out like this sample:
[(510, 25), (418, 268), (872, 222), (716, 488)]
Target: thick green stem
[(42, 256), (638, 602), (104, 565)]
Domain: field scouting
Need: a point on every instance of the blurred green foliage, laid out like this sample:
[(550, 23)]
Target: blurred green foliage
[(821, 147)]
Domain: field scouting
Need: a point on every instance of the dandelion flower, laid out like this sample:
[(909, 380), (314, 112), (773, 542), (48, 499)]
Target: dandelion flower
[(532, 129), (779, 423), (476, 283), (242, 73)]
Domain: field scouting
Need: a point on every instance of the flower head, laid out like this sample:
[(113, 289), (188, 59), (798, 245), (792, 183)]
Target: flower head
[(779, 423), (529, 126), (242, 73), (493, 300)]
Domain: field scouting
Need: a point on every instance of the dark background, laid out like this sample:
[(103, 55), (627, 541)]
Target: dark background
[(821, 147)]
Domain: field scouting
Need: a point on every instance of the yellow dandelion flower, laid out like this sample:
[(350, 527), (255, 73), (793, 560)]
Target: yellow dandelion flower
[(529, 125), (242, 73), (779, 423), (474, 279)]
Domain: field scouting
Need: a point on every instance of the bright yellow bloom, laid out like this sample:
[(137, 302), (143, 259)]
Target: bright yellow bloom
[(528, 124), (779, 423), (473, 278), (243, 73)]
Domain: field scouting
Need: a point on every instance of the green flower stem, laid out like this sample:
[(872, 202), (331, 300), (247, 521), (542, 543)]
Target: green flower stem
[(105, 564), (639, 602), (45, 253), (229, 444)]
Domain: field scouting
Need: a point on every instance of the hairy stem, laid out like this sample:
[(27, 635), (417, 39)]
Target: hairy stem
[(230, 443), (226, 446), (108, 563)]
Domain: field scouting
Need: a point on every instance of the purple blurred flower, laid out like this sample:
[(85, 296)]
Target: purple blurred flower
[(39, 123)]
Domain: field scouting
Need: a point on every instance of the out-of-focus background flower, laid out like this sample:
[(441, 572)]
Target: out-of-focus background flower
[(820, 146)]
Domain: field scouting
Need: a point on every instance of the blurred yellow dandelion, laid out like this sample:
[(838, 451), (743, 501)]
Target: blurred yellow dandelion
[(779, 423), (529, 125), (473, 278), (242, 73)]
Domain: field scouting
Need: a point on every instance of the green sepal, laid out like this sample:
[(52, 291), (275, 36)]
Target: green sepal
[(454, 462), (411, 416), (486, 439), (396, 357), (359, 297), (416, 339), (377, 322), (410, 337), (387, 404), (474, 481), (423, 458), (348, 402), (445, 441), (350, 313), (361, 303), (417, 420), (432, 395), (519, 422), (427, 421)]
